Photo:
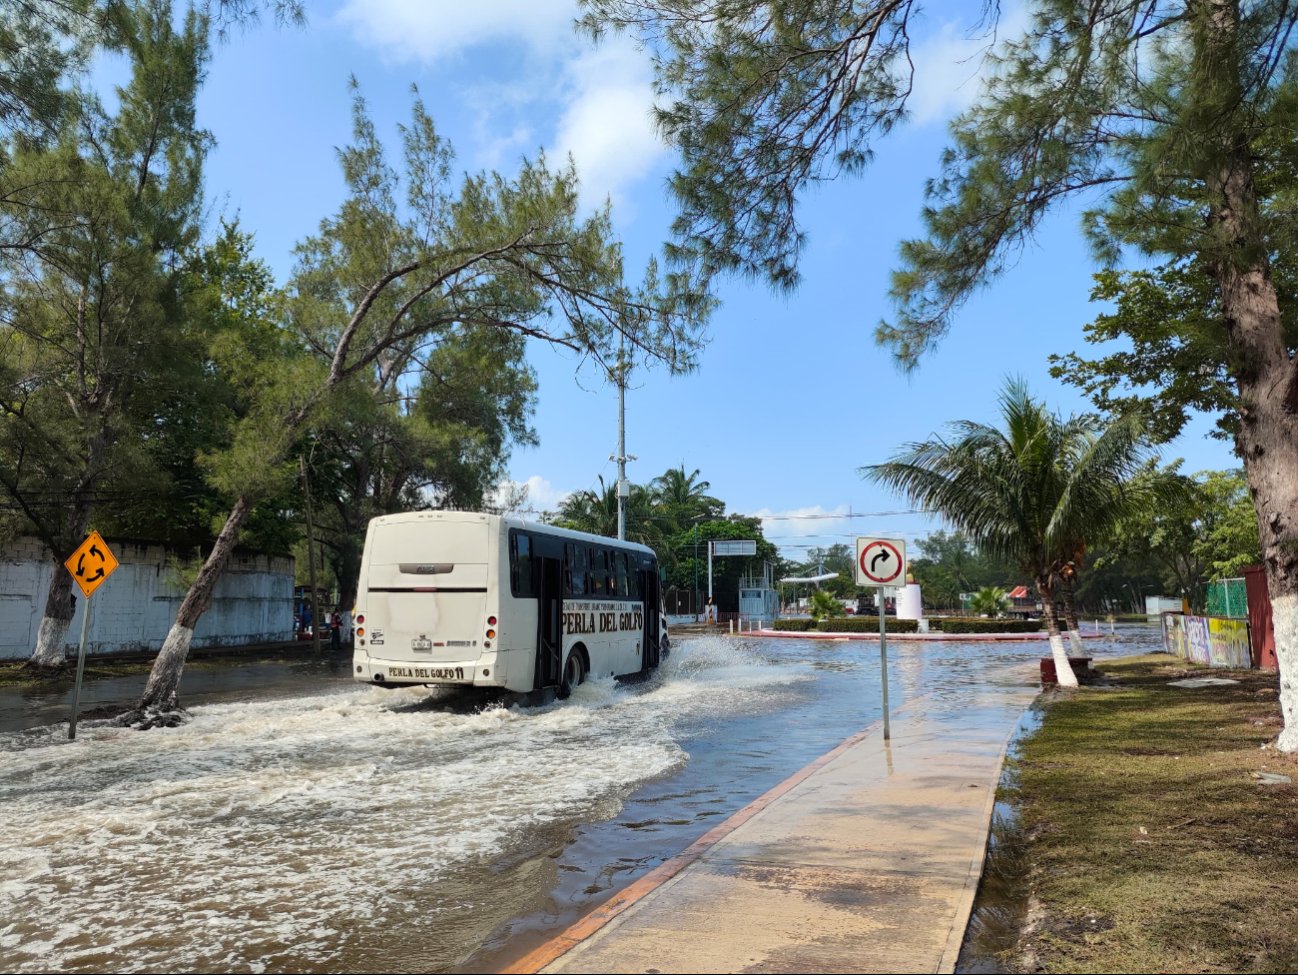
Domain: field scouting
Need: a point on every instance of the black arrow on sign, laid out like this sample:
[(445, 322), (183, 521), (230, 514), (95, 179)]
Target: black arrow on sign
[(81, 569), (97, 575), (875, 561), (94, 550)]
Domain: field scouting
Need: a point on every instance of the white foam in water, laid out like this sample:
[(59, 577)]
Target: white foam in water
[(264, 835)]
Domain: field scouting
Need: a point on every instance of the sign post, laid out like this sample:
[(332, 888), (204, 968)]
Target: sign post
[(881, 563), (91, 565)]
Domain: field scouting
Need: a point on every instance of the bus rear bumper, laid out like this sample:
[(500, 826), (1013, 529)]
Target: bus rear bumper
[(376, 670)]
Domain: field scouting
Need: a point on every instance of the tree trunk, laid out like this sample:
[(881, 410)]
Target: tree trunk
[(1070, 615), (1063, 669), (159, 704), (51, 639), (1267, 377)]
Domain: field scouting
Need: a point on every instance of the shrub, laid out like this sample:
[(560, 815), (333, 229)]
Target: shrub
[(795, 626), (963, 624), (865, 624)]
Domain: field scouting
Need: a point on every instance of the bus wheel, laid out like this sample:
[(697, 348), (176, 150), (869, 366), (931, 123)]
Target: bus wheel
[(573, 673)]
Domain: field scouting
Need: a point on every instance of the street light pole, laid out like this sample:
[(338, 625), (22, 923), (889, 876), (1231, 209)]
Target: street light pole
[(623, 488)]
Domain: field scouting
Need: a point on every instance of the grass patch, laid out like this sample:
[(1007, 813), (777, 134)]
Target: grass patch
[(1152, 847)]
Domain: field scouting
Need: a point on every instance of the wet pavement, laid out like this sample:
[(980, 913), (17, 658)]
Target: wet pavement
[(301, 822)]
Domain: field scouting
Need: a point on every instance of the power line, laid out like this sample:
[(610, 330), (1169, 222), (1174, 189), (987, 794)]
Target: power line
[(849, 514)]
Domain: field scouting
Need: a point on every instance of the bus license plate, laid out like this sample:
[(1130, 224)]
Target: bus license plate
[(420, 645)]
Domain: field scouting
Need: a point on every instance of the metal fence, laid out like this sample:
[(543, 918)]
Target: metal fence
[(1228, 597)]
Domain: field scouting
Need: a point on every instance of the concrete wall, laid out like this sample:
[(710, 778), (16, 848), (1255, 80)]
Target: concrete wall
[(1214, 641), (135, 608)]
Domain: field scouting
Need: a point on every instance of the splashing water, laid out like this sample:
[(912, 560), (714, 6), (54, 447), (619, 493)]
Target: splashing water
[(287, 833)]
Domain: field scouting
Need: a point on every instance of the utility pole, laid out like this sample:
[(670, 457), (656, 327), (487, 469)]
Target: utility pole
[(623, 485)]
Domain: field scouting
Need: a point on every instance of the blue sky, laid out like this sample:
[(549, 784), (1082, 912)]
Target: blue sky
[(792, 395)]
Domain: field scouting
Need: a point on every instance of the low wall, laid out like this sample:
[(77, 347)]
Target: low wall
[(1213, 641), (134, 609)]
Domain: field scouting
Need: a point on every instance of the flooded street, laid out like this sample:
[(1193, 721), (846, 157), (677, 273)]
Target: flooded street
[(343, 828)]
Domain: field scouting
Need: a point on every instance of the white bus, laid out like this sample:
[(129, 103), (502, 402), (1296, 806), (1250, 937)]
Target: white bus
[(454, 597)]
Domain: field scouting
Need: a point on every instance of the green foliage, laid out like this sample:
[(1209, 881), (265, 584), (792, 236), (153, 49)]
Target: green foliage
[(674, 516), (823, 606), (866, 624), (97, 223), (948, 564), (1227, 538), (956, 624), (1035, 493), (795, 626), (990, 600), (1176, 358), (762, 101), (1203, 527)]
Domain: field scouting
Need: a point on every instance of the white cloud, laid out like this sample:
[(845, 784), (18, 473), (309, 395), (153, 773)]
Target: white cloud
[(416, 30), (607, 124), (541, 495), (951, 64)]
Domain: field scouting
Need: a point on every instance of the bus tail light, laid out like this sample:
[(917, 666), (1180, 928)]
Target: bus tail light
[(360, 618), (491, 634), (491, 621), (360, 631)]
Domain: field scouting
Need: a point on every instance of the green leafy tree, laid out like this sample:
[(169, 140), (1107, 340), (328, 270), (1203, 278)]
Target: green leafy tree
[(1034, 492), (1173, 119), (948, 564), (1227, 540), (413, 258), (92, 298)]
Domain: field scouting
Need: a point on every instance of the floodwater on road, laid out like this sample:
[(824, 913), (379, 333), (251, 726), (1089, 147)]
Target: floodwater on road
[(347, 828)]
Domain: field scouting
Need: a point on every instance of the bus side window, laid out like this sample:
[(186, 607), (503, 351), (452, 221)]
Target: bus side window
[(522, 568), (619, 570), (577, 570), (597, 574), (633, 577)]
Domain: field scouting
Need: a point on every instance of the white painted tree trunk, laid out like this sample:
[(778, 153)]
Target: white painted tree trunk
[(51, 642), (1284, 618), (1075, 641), (1063, 669)]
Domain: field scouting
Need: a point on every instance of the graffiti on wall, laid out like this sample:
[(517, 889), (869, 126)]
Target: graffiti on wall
[(1207, 640)]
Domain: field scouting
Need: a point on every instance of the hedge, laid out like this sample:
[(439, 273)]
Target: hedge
[(865, 624), (961, 624), (797, 626)]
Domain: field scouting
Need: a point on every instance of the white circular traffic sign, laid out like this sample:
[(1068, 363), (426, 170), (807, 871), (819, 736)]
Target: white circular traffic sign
[(881, 563)]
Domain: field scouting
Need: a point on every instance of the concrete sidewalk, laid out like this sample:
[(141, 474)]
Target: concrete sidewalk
[(867, 860)]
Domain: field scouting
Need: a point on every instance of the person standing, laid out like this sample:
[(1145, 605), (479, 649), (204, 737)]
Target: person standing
[(336, 631)]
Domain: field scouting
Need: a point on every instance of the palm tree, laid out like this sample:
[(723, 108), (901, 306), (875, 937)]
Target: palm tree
[(991, 600), (596, 512), (682, 500), (1034, 493)]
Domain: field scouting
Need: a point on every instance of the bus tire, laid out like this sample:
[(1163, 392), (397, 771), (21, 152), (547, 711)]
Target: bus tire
[(574, 672)]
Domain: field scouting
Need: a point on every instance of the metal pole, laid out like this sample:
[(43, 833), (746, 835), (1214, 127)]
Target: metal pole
[(883, 661), (310, 561), (709, 568), (621, 437), (81, 669)]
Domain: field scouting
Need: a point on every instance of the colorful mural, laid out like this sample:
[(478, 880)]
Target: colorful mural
[(1213, 642)]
